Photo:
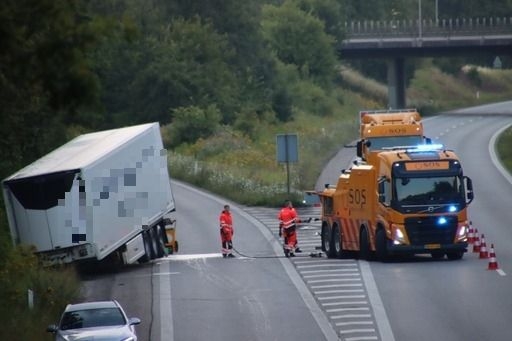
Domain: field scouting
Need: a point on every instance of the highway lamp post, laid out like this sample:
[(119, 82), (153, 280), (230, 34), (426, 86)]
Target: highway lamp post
[(437, 12), (419, 19)]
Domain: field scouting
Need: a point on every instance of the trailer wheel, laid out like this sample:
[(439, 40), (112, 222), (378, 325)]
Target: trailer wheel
[(147, 247), (337, 243), (160, 241), (382, 245), (155, 243), (364, 244)]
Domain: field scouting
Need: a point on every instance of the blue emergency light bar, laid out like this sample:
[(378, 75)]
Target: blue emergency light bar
[(425, 148)]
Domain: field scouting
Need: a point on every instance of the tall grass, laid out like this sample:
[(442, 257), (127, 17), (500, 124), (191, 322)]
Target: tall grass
[(52, 289), (504, 150)]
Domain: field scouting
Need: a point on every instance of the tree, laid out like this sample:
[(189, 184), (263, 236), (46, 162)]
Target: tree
[(192, 123), (298, 38), (45, 76)]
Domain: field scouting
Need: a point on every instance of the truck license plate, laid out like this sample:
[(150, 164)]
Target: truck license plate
[(432, 246)]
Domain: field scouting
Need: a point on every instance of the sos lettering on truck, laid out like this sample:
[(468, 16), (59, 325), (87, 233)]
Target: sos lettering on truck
[(357, 197), (397, 131)]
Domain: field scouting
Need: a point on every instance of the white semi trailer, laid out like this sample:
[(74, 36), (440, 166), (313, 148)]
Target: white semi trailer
[(102, 196)]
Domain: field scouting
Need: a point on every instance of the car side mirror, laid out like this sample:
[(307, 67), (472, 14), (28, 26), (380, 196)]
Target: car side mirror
[(133, 321), (52, 328)]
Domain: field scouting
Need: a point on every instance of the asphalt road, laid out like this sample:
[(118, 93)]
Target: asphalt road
[(459, 300), (197, 295)]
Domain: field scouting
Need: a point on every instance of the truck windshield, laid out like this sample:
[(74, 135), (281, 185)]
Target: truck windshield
[(378, 143), (427, 191)]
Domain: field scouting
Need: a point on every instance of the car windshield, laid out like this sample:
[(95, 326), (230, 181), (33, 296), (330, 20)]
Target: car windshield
[(92, 318), (418, 191)]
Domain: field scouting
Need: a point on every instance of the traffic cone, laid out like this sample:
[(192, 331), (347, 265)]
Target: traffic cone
[(493, 264), (483, 249), (476, 242), (471, 233)]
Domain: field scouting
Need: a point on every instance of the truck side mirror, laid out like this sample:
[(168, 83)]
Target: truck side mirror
[(359, 148), (469, 189)]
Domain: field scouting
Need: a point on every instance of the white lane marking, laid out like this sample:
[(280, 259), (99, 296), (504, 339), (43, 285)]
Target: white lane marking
[(350, 331), (338, 310), (333, 280), (348, 316), (501, 272), (190, 256), (331, 271), (164, 299), (325, 292), (362, 338), (340, 297), (378, 307), (336, 285), (334, 275), (350, 303), (355, 323), (316, 266)]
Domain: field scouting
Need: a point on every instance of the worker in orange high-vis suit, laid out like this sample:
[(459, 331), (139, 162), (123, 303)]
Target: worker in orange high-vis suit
[(288, 220), (226, 232)]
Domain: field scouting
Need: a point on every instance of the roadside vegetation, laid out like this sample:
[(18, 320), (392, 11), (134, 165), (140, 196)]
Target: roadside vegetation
[(223, 80)]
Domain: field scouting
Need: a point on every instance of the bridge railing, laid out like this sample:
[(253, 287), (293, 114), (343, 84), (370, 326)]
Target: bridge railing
[(429, 28)]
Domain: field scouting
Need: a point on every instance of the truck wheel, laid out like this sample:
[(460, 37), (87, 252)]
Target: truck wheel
[(147, 247), (327, 242), (382, 245), (364, 244), (456, 255), (437, 254), (160, 241), (336, 241), (155, 243)]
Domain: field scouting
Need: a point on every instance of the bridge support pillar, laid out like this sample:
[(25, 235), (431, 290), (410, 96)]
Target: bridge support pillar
[(396, 83)]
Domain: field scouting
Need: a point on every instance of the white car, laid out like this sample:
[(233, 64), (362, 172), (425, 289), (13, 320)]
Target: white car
[(98, 321)]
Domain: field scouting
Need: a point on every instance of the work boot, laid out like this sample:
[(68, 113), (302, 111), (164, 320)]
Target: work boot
[(292, 254), (231, 255), (298, 250), (224, 255)]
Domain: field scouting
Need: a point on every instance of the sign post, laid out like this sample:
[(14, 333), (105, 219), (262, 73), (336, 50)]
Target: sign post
[(287, 151)]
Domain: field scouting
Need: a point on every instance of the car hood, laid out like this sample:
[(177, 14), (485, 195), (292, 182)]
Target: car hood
[(96, 334)]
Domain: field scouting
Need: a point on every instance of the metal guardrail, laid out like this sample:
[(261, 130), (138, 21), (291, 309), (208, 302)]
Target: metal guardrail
[(429, 28)]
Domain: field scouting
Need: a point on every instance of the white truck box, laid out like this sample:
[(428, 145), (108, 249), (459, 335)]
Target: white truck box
[(100, 193)]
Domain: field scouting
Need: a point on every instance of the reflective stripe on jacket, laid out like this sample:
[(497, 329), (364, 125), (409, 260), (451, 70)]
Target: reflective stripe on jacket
[(288, 217)]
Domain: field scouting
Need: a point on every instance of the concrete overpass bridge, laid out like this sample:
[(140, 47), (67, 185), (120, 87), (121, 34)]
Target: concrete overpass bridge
[(396, 40)]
